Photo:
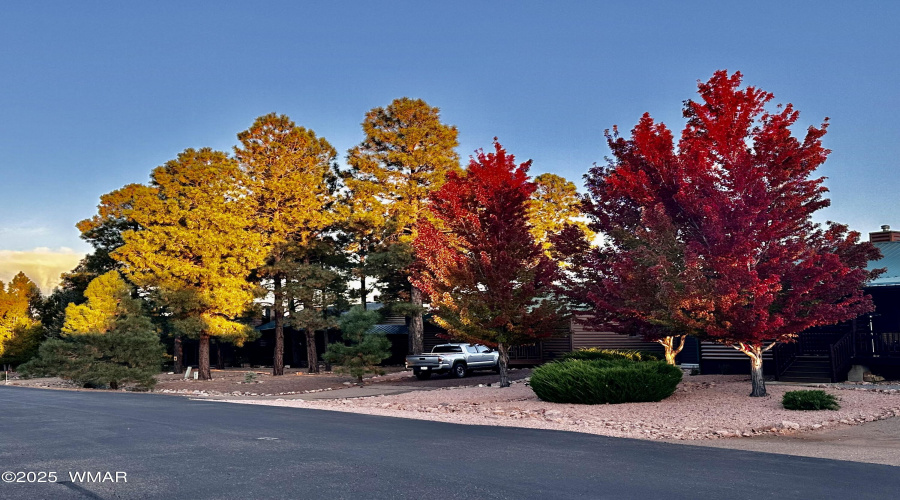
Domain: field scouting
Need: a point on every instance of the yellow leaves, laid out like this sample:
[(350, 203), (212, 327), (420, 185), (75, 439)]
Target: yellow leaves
[(194, 245), (107, 296), (290, 179), (554, 204), (407, 153)]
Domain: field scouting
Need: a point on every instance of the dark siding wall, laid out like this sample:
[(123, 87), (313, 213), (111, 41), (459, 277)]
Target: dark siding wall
[(585, 337), (717, 358), (433, 335), (690, 353)]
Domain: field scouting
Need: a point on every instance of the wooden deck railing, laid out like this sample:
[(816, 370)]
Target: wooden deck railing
[(869, 345), (841, 354), (530, 353), (784, 354)]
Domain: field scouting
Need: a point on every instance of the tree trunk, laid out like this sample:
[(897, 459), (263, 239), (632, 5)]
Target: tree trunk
[(179, 356), (295, 349), (278, 309), (362, 290), (672, 347), (220, 361), (311, 356), (755, 353), (325, 349), (416, 325), (756, 377), (204, 357), (504, 363)]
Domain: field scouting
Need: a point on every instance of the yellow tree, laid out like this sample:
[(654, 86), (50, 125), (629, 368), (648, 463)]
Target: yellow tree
[(195, 248), (406, 154), (19, 327), (291, 177), (553, 205), (104, 295), (105, 341)]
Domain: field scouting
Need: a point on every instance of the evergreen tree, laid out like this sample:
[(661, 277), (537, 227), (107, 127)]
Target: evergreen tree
[(107, 341), (554, 205), (291, 178), (406, 154), (195, 248), (315, 284), (363, 351)]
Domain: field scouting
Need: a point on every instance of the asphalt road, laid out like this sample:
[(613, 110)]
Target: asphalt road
[(172, 447)]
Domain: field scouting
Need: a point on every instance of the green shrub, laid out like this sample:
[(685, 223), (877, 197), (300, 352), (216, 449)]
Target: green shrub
[(605, 381), (129, 353), (365, 350), (809, 400), (594, 353)]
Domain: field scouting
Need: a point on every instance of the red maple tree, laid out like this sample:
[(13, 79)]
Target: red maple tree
[(487, 279), (714, 237)]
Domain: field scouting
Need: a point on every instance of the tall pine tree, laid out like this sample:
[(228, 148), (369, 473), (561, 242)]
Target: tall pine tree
[(407, 153), (20, 327), (196, 248), (291, 178)]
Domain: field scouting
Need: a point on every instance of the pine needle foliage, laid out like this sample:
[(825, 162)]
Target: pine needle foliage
[(364, 350), (106, 342)]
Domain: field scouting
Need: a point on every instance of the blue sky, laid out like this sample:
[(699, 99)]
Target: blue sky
[(93, 95)]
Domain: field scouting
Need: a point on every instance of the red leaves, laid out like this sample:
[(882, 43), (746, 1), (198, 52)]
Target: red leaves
[(716, 237), (478, 261)]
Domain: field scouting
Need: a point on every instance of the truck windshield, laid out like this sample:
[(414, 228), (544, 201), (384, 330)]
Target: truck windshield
[(447, 348)]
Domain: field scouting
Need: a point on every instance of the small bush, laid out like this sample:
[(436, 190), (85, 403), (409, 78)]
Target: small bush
[(809, 400), (605, 381), (365, 351), (593, 353)]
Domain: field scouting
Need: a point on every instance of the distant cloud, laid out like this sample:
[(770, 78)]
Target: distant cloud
[(42, 265)]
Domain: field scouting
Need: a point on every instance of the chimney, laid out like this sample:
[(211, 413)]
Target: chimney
[(884, 235)]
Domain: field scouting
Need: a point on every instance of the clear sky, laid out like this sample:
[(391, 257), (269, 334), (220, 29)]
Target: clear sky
[(93, 95)]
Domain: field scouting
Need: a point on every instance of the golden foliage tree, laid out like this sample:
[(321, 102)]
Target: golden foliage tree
[(291, 179), (195, 248), (406, 154), (553, 205), (107, 341), (19, 326)]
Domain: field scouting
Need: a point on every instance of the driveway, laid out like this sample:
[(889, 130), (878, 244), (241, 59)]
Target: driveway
[(178, 448)]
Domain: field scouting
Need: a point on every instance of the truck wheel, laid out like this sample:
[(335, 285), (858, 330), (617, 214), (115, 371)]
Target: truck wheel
[(458, 370), (423, 375), (497, 367)]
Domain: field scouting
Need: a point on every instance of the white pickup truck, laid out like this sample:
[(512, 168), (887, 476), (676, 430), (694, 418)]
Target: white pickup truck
[(456, 359)]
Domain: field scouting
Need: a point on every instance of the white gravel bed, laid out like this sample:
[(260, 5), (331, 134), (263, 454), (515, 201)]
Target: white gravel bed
[(703, 407)]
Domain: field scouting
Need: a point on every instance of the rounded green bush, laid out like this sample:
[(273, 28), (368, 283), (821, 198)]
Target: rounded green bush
[(605, 381), (809, 400), (593, 353)]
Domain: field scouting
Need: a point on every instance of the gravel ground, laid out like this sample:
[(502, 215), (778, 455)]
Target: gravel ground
[(232, 382), (703, 407)]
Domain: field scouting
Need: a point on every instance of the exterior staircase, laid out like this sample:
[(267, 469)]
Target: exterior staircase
[(807, 368)]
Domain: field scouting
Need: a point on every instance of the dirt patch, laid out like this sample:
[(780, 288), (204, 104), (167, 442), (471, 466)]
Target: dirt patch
[(42, 382), (256, 383), (248, 382), (260, 382), (703, 407)]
